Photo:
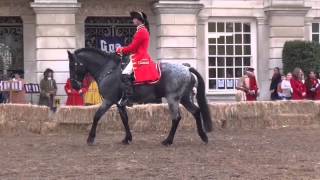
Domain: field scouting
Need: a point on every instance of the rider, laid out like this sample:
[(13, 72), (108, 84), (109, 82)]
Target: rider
[(140, 61)]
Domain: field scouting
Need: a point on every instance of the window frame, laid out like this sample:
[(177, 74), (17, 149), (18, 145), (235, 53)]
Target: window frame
[(317, 21), (253, 33)]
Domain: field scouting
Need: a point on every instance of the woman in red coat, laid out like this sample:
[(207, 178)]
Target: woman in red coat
[(140, 64), (299, 89), (75, 98), (318, 88), (311, 86)]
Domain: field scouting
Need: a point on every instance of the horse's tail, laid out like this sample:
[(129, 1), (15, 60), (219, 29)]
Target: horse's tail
[(202, 101)]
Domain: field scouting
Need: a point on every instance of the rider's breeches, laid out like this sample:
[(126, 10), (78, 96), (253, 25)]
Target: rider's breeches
[(129, 68)]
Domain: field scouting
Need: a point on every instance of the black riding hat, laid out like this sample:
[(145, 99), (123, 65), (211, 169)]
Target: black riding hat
[(138, 15)]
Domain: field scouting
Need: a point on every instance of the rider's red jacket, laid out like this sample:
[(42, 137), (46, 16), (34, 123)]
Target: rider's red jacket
[(143, 66)]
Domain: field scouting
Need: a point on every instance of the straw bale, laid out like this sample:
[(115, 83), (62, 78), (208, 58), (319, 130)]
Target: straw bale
[(17, 117), (156, 117), (48, 127)]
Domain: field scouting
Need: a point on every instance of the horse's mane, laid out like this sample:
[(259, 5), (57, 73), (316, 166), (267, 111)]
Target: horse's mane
[(107, 56)]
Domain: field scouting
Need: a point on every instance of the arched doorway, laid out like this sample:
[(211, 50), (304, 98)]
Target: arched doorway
[(106, 33), (11, 45)]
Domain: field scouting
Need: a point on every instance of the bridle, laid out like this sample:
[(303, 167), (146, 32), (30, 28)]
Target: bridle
[(99, 79)]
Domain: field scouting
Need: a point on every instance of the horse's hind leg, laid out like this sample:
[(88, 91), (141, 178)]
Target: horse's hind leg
[(195, 111), (124, 117), (102, 109), (175, 115)]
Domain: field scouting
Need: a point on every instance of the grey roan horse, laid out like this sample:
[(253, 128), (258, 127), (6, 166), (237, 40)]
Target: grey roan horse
[(175, 85)]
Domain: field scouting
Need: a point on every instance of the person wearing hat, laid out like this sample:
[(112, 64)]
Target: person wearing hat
[(248, 84), (48, 89), (141, 64), (252, 93)]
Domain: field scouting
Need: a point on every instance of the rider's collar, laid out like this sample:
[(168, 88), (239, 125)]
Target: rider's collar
[(140, 27)]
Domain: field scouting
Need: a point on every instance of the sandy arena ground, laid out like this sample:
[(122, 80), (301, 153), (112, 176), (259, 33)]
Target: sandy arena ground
[(260, 154)]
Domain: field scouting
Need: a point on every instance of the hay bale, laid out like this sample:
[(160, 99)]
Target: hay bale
[(22, 117), (48, 127), (156, 117)]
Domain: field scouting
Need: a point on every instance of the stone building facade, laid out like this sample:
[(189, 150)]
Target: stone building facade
[(218, 37)]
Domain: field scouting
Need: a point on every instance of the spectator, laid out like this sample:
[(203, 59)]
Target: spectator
[(276, 79), (299, 89), (242, 87), (75, 98), (312, 86), (318, 89), (18, 97), (2, 100), (285, 89), (248, 85), (92, 97), (4, 95), (48, 89)]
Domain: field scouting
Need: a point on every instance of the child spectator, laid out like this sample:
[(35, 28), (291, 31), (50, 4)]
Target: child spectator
[(285, 89)]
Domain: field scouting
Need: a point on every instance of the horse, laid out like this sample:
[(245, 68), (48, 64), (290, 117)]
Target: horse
[(176, 85)]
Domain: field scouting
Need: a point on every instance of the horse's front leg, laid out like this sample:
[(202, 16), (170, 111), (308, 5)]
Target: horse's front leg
[(102, 109), (124, 117)]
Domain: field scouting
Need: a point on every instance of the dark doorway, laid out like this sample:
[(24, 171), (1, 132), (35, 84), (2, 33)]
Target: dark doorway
[(11, 45), (106, 33)]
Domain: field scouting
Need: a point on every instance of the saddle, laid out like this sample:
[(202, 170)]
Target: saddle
[(124, 62)]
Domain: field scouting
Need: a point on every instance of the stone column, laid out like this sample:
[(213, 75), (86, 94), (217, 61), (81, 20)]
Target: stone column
[(177, 30), (55, 34), (29, 48), (263, 58)]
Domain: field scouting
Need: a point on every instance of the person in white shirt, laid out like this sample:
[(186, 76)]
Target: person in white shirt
[(285, 92)]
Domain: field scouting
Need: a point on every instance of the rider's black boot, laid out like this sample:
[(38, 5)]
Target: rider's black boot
[(127, 90)]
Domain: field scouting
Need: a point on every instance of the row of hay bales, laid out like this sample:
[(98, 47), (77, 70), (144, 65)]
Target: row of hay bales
[(241, 115)]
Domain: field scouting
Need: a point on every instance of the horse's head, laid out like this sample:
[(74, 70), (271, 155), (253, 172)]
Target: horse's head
[(77, 71)]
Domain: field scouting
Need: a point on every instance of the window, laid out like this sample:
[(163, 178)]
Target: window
[(230, 50), (315, 32)]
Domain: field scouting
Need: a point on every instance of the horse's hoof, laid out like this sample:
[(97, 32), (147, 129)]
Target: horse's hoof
[(205, 139), (129, 138), (90, 141), (166, 142), (125, 142)]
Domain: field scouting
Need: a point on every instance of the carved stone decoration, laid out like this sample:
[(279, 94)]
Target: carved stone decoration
[(112, 8)]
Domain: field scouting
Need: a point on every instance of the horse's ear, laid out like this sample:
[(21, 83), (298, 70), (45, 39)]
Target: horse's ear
[(70, 55)]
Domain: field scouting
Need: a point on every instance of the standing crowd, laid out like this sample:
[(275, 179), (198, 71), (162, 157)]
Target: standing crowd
[(295, 86), (88, 95), (292, 86)]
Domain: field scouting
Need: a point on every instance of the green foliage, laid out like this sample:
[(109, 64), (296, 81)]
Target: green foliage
[(303, 54)]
